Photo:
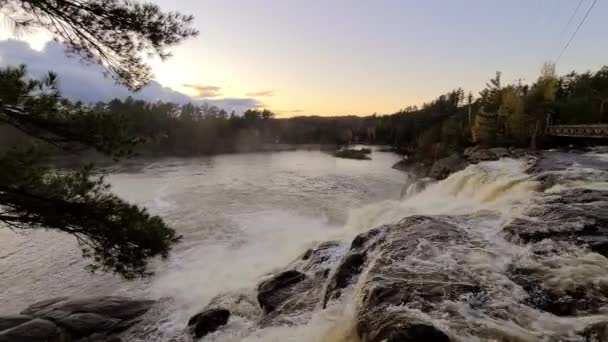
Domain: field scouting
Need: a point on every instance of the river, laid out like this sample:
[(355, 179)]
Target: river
[(244, 216), (241, 216)]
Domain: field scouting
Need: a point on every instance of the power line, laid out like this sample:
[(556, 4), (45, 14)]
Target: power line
[(580, 3), (575, 32)]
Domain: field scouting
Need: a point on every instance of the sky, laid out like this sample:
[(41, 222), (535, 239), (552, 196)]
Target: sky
[(341, 57)]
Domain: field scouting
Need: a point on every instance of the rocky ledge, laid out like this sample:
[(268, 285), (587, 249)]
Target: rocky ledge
[(442, 278), (442, 168), (62, 319)]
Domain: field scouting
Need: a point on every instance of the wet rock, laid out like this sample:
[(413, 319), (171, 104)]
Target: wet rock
[(208, 321), (7, 322), (476, 154), (85, 324), (274, 291), (444, 167), (404, 164), (36, 330), (363, 240), (560, 302), (560, 224), (351, 265), (100, 338), (579, 216), (408, 332), (401, 281), (315, 258), (345, 274), (597, 332), (63, 319), (109, 306)]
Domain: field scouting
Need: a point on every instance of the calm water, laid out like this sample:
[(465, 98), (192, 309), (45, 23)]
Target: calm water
[(241, 216)]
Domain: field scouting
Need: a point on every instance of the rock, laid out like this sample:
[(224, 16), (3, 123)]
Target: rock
[(274, 291), (409, 332), (111, 306), (7, 322), (85, 324), (578, 216), (597, 332), (475, 155), (208, 321), (315, 258), (444, 167), (351, 265), (403, 165), (36, 330), (399, 281), (560, 302), (64, 319)]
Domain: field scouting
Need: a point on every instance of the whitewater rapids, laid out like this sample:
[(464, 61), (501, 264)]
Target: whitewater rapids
[(480, 201), (246, 217)]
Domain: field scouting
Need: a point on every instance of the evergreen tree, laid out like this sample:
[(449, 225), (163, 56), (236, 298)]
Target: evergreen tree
[(114, 234)]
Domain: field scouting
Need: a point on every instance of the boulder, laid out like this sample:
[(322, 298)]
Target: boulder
[(577, 216), (404, 164), (348, 270), (408, 332), (36, 330), (444, 167), (405, 278), (276, 290), (100, 338), (560, 302), (65, 319), (597, 332), (7, 322), (86, 323), (208, 321)]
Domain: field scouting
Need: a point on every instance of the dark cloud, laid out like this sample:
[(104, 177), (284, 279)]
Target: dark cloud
[(262, 93), (85, 81), (204, 91), (239, 105)]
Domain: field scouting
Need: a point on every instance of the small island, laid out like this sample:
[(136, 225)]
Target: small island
[(360, 154)]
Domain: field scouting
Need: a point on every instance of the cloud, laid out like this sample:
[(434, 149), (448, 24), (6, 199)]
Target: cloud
[(238, 105), (79, 80), (85, 81), (262, 93), (204, 91)]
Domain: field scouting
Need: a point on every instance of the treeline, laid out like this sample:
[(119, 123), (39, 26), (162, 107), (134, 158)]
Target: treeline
[(167, 128), (500, 115)]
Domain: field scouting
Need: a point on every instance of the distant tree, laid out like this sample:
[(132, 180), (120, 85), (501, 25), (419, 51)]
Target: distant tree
[(512, 113)]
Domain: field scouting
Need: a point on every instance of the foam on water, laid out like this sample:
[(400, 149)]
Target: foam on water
[(500, 186), (490, 195), (263, 242)]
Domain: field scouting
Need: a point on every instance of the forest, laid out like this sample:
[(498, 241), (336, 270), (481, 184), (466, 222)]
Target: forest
[(500, 115)]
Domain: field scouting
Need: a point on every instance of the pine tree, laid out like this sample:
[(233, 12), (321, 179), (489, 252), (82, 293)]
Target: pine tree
[(114, 234)]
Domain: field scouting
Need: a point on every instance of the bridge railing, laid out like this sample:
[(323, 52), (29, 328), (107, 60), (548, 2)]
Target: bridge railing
[(578, 131)]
